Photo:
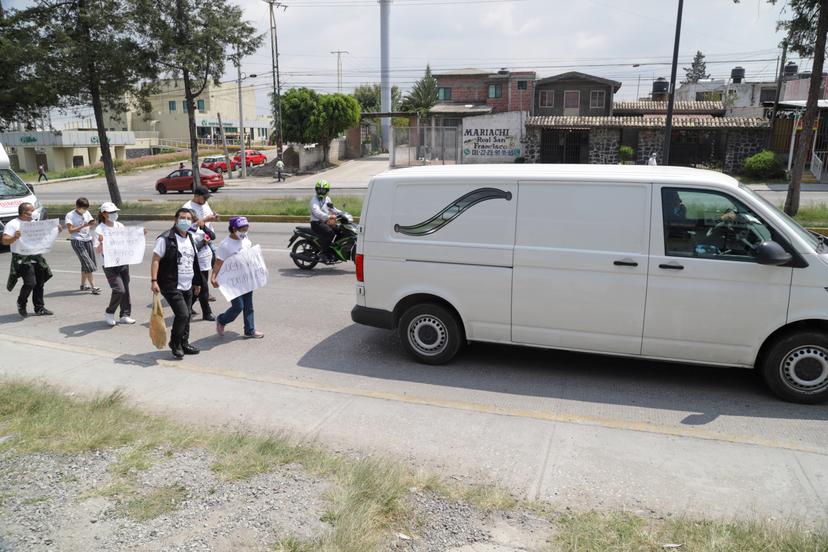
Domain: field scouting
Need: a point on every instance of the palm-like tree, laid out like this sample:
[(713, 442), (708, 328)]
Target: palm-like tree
[(423, 95)]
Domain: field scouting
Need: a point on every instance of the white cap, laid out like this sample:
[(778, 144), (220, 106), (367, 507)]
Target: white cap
[(108, 207)]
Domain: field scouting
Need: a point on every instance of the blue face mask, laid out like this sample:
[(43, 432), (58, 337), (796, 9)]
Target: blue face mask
[(183, 224)]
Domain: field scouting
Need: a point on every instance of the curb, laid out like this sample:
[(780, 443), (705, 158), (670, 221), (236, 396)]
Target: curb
[(58, 180), (251, 218)]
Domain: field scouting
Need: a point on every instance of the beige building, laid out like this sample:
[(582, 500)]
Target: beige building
[(61, 149)]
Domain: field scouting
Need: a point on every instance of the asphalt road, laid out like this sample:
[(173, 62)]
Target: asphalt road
[(584, 429)]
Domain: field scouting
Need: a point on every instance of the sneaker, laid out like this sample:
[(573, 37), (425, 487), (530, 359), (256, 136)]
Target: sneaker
[(21, 310), (84, 287), (96, 291), (110, 319), (126, 320), (190, 349), (209, 318), (176, 350), (254, 335), (43, 311), (219, 328)]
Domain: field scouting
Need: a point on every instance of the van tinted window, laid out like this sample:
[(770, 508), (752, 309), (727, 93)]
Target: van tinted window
[(709, 224), (11, 185)]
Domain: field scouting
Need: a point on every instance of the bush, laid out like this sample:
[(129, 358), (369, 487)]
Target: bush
[(763, 165), (626, 154)]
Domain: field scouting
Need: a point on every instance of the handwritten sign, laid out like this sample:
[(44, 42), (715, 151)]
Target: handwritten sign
[(37, 236), (124, 246), (492, 138), (243, 272)]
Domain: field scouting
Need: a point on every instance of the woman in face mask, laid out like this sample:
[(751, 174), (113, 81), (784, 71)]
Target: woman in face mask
[(235, 242), (117, 276)]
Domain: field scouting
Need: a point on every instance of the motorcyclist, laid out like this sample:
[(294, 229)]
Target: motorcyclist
[(323, 218)]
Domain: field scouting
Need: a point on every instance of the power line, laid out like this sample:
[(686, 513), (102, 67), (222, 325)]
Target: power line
[(339, 67)]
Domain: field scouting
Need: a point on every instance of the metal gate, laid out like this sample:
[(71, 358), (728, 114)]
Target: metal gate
[(564, 146), (425, 145)]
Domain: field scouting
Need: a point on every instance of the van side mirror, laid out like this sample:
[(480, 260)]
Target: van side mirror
[(771, 253)]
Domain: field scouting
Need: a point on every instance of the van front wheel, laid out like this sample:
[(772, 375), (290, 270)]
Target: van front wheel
[(430, 333), (796, 367)]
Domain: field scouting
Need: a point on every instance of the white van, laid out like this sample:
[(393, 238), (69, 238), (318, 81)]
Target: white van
[(662, 263), (13, 192)]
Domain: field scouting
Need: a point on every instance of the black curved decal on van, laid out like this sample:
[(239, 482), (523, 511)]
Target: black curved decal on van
[(452, 211)]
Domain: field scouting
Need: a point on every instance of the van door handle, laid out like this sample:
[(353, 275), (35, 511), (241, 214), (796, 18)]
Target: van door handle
[(625, 262), (672, 266)]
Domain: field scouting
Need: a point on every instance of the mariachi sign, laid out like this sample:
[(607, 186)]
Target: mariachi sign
[(492, 138)]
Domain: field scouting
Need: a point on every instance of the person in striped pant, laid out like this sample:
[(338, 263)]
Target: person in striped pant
[(78, 222)]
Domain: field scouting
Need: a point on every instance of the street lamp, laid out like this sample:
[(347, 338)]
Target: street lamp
[(242, 76)]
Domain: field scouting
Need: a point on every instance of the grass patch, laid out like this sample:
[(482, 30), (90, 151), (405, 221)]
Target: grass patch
[(291, 206), (625, 532), (155, 503), (291, 544), (813, 215)]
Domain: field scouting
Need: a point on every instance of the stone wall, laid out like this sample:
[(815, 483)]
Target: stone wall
[(741, 144), (603, 146), (531, 144), (138, 152), (649, 141)]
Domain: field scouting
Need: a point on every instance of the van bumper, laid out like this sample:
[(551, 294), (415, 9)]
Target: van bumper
[(377, 318)]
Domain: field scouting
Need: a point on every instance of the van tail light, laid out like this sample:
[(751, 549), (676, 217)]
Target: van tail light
[(360, 273)]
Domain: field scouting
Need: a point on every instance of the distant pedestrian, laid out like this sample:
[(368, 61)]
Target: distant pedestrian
[(78, 222), (653, 160), (280, 167), (32, 269), (181, 166), (41, 173), (235, 242), (203, 238), (116, 276), (176, 275)]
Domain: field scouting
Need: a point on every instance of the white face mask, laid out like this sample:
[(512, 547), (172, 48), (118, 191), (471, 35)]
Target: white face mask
[(242, 235), (113, 217)]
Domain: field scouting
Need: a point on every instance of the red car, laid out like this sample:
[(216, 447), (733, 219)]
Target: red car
[(217, 163), (251, 157), (181, 181)]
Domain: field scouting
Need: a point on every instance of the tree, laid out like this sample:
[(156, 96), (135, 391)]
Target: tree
[(195, 39), (423, 95), (298, 106), (308, 117), (806, 34), (697, 69), (369, 97)]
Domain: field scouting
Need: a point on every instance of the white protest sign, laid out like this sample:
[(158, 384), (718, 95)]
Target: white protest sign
[(123, 246), (243, 272), (37, 236)]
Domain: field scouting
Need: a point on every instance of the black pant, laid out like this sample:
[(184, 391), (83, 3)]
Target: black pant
[(204, 295), (180, 302), (279, 176), (33, 278), (118, 278), (42, 175), (325, 232)]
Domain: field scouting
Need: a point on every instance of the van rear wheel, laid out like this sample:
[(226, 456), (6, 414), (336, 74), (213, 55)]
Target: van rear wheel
[(430, 333), (796, 367)]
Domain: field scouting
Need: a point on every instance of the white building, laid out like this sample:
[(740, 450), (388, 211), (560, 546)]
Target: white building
[(741, 99)]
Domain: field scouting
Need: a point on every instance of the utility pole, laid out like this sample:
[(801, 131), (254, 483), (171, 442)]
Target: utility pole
[(339, 68), (778, 91), (385, 70), (226, 153), (668, 124), (277, 84), (241, 119)]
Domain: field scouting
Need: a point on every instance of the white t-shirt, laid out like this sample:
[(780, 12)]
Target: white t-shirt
[(76, 219), (99, 232), (205, 254), (185, 260), (10, 230), (201, 211), (230, 247)]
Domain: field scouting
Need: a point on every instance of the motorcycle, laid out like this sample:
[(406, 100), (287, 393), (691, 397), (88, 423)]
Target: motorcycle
[(306, 251)]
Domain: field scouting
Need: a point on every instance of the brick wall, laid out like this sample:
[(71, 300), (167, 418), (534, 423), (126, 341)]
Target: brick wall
[(475, 89)]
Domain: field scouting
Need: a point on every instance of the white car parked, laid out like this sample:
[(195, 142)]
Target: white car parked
[(663, 263), (13, 192)]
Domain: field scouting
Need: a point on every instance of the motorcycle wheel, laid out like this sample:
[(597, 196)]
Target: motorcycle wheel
[(306, 247)]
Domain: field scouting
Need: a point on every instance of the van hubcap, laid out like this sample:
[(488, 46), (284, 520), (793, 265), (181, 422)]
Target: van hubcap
[(427, 335), (806, 369)]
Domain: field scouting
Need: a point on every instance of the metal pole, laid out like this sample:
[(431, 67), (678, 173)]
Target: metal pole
[(339, 68), (778, 92), (273, 66), (668, 125), (226, 153), (385, 71), (241, 123), (277, 83)]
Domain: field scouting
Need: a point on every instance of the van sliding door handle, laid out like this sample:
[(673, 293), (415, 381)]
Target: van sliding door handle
[(671, 266), (625, 262)]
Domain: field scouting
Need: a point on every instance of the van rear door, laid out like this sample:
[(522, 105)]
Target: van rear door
[(580, 272)]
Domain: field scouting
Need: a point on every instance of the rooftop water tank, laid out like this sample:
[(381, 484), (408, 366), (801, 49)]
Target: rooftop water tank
[(737, 74)]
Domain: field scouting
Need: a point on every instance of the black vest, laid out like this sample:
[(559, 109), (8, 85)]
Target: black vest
[(168, 266)]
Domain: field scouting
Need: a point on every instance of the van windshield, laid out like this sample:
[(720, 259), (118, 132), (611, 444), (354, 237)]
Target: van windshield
[(11, 185), (814, 240)]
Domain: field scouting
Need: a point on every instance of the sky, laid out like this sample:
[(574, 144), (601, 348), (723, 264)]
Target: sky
[(601, 37)]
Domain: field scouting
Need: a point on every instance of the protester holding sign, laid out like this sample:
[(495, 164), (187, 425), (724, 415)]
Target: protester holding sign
[(175, 274), (117, 275), (78, 222), (203, 238), (231, 246), (27, 261)]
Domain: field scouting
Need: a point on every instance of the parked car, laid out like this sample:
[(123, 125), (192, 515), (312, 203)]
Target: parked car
[(664, 263), (181, 180), (217, 163), (251, 157)]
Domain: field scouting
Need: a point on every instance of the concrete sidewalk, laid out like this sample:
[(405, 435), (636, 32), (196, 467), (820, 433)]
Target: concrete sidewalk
[(572, 461)]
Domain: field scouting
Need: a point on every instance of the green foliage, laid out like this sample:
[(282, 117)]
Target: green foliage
[(369, 97), (335, 114), (298, 106), (308, 117), (763, 165), (626, 153), (697, 69), (423, 95)]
